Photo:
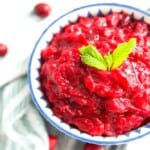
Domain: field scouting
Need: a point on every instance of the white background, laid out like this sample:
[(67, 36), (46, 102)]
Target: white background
[(20, 29)]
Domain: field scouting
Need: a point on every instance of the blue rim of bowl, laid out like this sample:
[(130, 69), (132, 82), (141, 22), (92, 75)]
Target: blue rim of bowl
[(102, 142)]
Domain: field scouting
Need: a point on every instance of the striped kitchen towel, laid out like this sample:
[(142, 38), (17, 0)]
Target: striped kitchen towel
[(21, 126)]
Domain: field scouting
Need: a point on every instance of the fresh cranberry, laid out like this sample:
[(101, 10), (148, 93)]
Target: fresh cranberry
[(89, 146), (3, 49), (53, 142), (42, 9)]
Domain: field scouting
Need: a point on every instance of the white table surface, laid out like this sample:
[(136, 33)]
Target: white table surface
[(20, 29)]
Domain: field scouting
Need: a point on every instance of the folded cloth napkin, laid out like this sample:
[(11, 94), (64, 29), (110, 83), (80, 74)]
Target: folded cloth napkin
[(21, 126)]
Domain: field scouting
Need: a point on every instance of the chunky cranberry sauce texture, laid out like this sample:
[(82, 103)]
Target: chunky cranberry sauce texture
[(99, 102)]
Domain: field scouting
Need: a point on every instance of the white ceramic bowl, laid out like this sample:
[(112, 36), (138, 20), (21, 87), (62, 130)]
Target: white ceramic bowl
[(34, 65)]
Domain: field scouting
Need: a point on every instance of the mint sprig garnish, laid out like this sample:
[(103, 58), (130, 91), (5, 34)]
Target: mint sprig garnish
[(93, 58)]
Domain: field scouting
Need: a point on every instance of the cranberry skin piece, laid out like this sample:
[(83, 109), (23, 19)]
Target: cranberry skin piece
[(93, 125), (42, 9), (89, 146), (3, 49), (52, 142), (117, 105)]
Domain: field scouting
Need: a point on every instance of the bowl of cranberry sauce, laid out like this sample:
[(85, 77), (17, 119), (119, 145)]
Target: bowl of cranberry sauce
[(89, 73)]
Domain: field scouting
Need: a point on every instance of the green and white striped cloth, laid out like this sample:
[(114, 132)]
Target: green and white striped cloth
[(21, 126)]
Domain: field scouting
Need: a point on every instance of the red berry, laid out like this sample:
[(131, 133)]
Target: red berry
[(42, 9), (3, 49), (88, 146), (52, 142)]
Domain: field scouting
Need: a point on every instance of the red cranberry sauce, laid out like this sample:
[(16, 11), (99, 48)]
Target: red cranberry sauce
[(98, 102)]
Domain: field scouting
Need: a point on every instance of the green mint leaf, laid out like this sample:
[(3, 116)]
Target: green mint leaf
[(93, 62), (122, 51), (91, 50), (108, 60), (91, 57)]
